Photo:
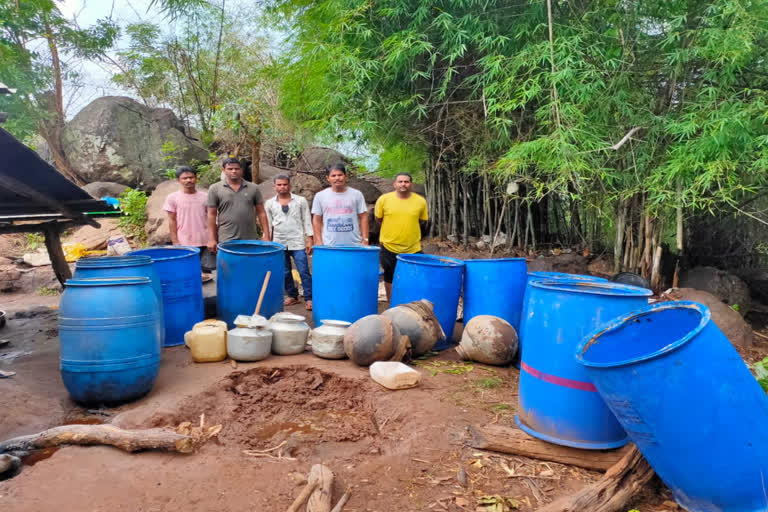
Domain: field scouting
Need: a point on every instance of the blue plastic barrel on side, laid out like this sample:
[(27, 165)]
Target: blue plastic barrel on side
[(178, 268), (688, 402), (345, 282), (558, 402), (121, 266), (241, 266), (495, 287), (435, 278), (110, 338)]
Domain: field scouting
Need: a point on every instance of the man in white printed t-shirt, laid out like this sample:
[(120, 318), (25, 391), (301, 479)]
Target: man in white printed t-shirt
[(339, 213)]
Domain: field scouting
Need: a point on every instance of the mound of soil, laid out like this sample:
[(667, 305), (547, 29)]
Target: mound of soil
[(273, 404), (262, 407)]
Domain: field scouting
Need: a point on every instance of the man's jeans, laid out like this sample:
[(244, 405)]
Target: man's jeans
[(302, 265)]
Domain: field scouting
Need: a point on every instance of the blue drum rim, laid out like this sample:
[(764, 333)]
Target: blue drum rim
[(136, 260), (188, 251), (591, 287), (541, 275), (346, 247), (593, 337), (231, 246), (573, 444), (107, 281), (493, 260), (431, 260)]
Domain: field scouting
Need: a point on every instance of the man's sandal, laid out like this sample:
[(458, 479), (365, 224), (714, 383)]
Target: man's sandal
[(290, 301)]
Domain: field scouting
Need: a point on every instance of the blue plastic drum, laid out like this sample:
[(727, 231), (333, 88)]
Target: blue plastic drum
[(241, 266), (178, 268), (688, 401), (345, 282), (110, 339), (121, 266), (495, 287), (558, 402)]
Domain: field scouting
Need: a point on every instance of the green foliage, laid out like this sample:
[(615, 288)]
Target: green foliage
[(761, 373), (207, 173), (47, 291), (401, 157), (133, 204), (34, 241), (172, 155), (27, 29), (488, 382), (478, 88)]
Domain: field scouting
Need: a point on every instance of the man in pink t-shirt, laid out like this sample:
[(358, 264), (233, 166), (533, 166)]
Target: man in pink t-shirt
[(186, 210)]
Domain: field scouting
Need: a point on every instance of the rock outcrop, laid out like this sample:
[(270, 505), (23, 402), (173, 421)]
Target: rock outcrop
[(118, 139), (315, 159), (99, 189), (728, 287), (729, 321)]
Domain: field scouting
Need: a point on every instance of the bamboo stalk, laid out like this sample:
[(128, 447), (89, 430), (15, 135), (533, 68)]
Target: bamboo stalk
[(620, 220)]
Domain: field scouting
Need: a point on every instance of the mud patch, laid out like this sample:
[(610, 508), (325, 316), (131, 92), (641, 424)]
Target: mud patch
[(275, 404), (261, 407)]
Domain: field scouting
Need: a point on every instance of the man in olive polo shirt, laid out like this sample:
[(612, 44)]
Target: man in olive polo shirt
[(235, 204)]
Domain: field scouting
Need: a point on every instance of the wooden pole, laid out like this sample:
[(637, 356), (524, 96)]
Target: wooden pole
[(56, 253), (516, 442)]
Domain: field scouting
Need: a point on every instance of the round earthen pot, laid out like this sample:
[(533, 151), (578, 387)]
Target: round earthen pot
[(374, 338), (488, 339)]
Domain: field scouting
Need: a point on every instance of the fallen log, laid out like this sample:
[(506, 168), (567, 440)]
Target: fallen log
[(342, 501), (127, 440), (8, 463), (320, 499), (516, 442), (303, 495), (612, 492)]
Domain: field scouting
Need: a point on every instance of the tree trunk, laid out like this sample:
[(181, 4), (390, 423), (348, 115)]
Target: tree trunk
[(128, 440), (52, 129)]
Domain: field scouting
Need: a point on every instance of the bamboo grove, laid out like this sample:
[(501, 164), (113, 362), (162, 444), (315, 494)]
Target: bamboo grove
[(591, 123)]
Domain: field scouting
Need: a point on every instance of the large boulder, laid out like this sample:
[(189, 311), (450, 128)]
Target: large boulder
[(729, 288), (9, 277), (118, 139), (757, 280), (571, 263), (95, 239), (369, 190), (267, 190), (267, 173), (156, 226), (729, 321), (306, 185), (315, 159), (99, 189)]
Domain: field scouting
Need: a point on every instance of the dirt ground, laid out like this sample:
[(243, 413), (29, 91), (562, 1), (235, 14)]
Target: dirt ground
[(396, 450)]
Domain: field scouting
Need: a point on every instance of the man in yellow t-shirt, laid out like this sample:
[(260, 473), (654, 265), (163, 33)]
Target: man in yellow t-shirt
[(399, 213)]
